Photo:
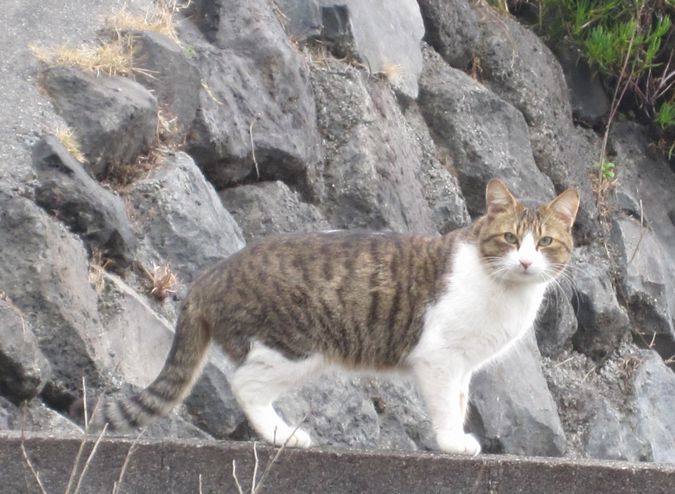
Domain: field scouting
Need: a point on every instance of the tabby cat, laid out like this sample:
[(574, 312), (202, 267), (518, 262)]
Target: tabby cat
[(290, 306)]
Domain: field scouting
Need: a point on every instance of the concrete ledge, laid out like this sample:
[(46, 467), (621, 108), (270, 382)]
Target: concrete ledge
[(167, 467)]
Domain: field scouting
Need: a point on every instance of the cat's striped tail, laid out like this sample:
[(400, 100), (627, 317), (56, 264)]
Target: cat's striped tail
[(182, 368)]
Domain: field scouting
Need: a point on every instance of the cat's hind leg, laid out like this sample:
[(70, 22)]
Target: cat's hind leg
[(262, 378)]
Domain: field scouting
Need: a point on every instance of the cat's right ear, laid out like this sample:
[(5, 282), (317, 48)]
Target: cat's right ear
[(498, 198)]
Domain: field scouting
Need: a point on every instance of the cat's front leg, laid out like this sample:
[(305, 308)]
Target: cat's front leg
[(446, 396)]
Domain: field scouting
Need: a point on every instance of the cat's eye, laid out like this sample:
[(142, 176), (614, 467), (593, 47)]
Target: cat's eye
[(510, 238), (545, 241)]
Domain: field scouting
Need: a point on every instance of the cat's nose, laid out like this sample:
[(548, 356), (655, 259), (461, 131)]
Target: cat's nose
[(525, 263)]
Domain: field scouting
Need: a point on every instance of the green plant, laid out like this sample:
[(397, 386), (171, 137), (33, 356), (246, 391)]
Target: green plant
[(607, 170), (665, 117)]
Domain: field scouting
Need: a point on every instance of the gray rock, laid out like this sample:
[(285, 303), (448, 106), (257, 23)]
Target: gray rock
[(439, 185), (589, 101), (23, 367), (452, 29), (647, 285), (114, 118), (602, 321), (255, 98), (174, 81), (33, 415), (644, 181), (44, 271), (611, 435), (512, 408), (271, 207), (654, 386), (454, 106), (386, 39), (556, 323), (183, 220), (368, 176), (66, 190)]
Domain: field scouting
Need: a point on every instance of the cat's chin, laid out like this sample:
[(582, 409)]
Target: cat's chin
[(524, 277)]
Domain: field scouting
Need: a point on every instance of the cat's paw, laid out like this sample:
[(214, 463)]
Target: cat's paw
[(458, 443), (292, 439)]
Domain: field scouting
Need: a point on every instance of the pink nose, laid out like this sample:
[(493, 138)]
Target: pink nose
[(525, 263)]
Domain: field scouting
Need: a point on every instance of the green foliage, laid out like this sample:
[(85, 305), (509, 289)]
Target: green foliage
[(607, 170), (666, 114)]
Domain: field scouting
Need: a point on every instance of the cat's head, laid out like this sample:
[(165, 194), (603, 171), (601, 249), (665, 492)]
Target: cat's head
[(526, 244)]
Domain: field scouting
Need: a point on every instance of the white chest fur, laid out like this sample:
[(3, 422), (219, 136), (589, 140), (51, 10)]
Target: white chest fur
[(477, 317)]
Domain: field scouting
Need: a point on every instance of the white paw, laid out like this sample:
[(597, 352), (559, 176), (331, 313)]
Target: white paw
[(458, 443), (292, 439)]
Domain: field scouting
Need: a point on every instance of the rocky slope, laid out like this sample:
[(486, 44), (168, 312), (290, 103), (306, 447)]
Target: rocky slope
[(310, 114)]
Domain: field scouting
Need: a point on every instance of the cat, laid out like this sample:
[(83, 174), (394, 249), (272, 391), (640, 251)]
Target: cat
[(287, 307)]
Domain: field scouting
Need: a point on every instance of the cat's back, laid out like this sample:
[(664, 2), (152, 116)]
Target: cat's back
[(357, 295)]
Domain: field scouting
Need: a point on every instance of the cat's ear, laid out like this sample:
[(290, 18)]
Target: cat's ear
[(565, 206), (498, 198)]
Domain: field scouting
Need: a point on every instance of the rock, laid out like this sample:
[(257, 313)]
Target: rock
[(368, 176), (454, 106), (557, 321), (602, 321), (387, 40), (271, 207), (23, 367), (174, 81), (114, 118), (66, 190), (654, 386), (183, 219), (44, 270), (610, 434), (589, 101), (452, 29), (439, 185), (34, 416), (647, 286), (512, 409), (644, 180), (256, 103)]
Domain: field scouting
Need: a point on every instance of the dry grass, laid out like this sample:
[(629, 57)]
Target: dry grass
[(158, 19), (98, 264), (390, 71), (66, 137), (162, 279), (114, 57)]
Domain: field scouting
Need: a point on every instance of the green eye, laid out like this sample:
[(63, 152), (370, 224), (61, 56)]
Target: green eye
[(544, 241), (510, 238)]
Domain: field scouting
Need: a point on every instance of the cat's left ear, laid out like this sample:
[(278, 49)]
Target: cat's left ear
[(498, 198), (565, 206)]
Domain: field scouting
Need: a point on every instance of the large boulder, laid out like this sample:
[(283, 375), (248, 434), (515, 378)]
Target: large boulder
[(513, 410), (256, 116), (182, 219), (23, 367), (164, 68), (271, 207), (368, 176), (654, 385), (44, 272), (113, 118), (480, 148), (66, 190), (603, 322), (386, 40)]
